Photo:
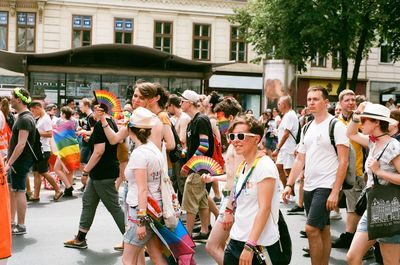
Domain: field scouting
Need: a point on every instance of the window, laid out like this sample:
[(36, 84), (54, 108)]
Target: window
[(386, 55), (336, 57), (81, 31), (3, 30), (163, 36), (26, 27), (319, 60), (238, 51), (201, 41), (123, 30)]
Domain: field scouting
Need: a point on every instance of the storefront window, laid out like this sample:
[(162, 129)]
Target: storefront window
[(47, 87), (181, 84), (81, 85), (117, 85)]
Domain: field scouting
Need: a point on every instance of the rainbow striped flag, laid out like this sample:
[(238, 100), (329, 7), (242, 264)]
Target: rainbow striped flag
[(67, 144), (178, 246)]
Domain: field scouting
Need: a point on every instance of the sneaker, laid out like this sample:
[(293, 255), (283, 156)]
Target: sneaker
[(68, 192), (197, 228), (119, 247), (75, 243), (217, 200), (344, 241), (19, 230), (201, 236), (296, 210), (335, 215)]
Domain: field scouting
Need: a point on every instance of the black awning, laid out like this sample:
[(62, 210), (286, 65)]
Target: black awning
[(106, 56)]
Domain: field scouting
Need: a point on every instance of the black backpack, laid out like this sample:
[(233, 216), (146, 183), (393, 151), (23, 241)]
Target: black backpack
[(285, 241), (36, 148), (298, 136), (175, 154)]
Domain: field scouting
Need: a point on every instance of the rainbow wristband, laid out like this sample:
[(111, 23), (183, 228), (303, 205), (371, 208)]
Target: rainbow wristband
[(141, 213)]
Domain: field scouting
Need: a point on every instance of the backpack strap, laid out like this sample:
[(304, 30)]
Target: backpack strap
[(332, 124), (305, 128)]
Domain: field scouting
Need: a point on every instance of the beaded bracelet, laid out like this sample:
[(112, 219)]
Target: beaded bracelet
[(248, 248)]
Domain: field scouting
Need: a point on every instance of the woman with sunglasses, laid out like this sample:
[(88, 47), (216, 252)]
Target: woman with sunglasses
[(253, 208), (384, 162)]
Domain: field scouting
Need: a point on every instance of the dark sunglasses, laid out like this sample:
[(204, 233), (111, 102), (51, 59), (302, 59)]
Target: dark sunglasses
[(239, 136), (363, 119)]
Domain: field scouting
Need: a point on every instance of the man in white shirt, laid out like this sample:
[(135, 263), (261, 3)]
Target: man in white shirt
[(287, 133), (41, 168), (324, 173)]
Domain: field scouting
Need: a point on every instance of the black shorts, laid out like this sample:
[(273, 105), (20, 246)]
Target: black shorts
[(315, 205), (42, 166)]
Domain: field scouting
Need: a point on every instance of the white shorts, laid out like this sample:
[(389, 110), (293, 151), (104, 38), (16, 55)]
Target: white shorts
[(285, 159)]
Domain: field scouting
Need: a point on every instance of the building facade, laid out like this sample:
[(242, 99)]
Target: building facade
[(194, 30)]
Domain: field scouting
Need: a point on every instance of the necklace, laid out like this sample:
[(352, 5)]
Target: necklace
[(374, 138)]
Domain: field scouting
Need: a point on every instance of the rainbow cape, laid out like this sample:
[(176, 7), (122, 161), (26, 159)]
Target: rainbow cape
[(199, 163), (178, 246), (110, 100), (67, 144), (223, 123)]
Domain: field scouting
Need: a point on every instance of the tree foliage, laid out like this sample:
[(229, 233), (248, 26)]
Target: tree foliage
[(297, 29)]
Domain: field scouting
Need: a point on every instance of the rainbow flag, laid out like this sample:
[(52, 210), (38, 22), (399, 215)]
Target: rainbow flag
[(178, 246), (223, 122), (67, 144)]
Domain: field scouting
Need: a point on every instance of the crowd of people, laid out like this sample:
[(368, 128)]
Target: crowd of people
[(282, 156)]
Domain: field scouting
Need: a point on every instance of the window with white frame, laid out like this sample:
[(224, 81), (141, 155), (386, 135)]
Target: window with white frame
[(26, 28), (319, 60), (386, 55), (201, 41), (163, 34)]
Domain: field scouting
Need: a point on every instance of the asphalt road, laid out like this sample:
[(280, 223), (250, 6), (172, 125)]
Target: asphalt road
[(50, 223)]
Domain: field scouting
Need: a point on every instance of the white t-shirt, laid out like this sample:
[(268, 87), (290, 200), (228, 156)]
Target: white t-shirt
[(321, 161), (291, 123), (385, 161), (146, 156), (247, 205), (44, 124)]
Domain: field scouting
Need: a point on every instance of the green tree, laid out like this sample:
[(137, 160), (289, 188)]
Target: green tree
[(297, 29)]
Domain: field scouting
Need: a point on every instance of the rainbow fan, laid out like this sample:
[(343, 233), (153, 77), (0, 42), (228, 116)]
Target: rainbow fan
[(198, 163), (223, 122), (110, 100)]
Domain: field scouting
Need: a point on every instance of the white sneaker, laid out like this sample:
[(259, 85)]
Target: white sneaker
[(335, 215)]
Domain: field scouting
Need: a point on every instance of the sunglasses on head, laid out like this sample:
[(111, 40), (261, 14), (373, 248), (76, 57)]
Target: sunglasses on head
[(239, 136)]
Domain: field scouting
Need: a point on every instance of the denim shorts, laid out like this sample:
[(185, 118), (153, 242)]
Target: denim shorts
[(18, 173), (130, 234), (363, 227)]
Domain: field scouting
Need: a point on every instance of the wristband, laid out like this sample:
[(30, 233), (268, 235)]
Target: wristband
[(228, 210), (251, 243), (142, 213), (105, 126), (84, 173), (248, 248)]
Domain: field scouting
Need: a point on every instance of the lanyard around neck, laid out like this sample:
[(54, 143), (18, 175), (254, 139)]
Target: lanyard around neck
[(238, 172)]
